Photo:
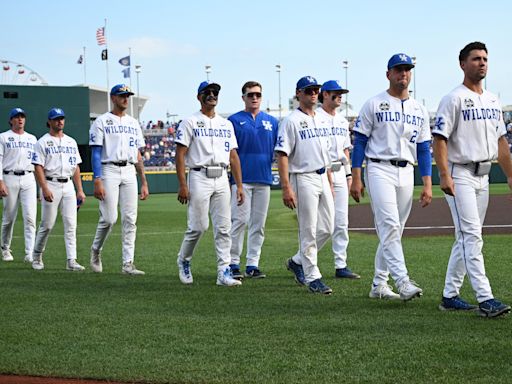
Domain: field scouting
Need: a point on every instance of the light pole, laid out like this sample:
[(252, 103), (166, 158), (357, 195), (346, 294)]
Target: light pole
[(414, 79), (278, 70), (208, 70), (345, 66), (138, 69)]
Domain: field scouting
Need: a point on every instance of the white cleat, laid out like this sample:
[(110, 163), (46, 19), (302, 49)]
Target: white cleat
[(37, 263), (130, 269), (226, 279), (96, 265), (409, 290), (28, 259), (7, 255), (185, 272), (384, 292), (72, 265)]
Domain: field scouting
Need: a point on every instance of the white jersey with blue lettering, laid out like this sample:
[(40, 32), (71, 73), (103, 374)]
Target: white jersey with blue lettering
[(340, 133), (209, 140), (120, 136), (58, 156), (393, 127), (473, 122), (305, 141), (16, 151)]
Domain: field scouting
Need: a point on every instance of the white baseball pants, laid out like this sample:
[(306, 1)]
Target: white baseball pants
[(391, 192), (121, 189), (211, 195), (64, 199), (315, 214), (252, 213), (23, 190), (340, 234), (468, 209)]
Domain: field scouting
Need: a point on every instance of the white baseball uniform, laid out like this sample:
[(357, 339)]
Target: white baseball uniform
[(340, 141), (472, 123), (393, 127), (120, 139), (16, 170), (59, 157), (306, 143), (209, 142)]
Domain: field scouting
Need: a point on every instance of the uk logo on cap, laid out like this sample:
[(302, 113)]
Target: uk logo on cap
[(307, 81), (55, 113), (400, 59), (15, 112)]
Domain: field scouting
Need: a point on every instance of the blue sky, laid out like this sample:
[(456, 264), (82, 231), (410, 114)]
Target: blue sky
[(174, 40)]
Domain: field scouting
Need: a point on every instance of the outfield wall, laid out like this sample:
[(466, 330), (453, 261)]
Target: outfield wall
[(167, 181)]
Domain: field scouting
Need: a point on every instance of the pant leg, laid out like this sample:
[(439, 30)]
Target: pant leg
[(239, 219), (28, 198), (128, 203), (220, 213), (49, 212), (325, 223), (69, 217), (10, 209), (258, 217), (340, 237)]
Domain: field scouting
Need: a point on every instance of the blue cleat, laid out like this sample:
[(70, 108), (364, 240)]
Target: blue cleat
[(455, 304), (297, 271), (493, 308), (235, 271), (317, 286), (254, 273), (346, 273)]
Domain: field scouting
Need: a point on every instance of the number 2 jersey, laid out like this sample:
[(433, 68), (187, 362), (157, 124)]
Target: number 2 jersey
[(58, 156), (393, 127)]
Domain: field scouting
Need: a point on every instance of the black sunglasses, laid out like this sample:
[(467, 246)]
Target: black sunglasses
[(250, 95), (214, 92), (311, 90)]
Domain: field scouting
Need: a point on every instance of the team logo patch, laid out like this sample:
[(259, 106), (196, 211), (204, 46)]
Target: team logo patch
[(179, 133), (357, 124), (469, 103), (280, 141), (267, 125), (11, 139), (384, 106), (439, 124), (200, 124), (403, 57), (49, 143), (92, 137), (303, 124), (110, 122)]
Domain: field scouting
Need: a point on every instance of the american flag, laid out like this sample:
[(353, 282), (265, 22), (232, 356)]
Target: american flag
[(100, 36)]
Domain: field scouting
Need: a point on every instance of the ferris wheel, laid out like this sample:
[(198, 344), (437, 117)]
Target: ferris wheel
[(19, 74)]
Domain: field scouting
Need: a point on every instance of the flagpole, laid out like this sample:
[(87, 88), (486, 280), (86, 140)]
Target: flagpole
[(130, 73), (106, 65), (85, 72)]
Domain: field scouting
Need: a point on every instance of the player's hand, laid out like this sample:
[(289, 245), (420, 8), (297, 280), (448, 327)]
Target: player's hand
[(240, 196), (426, 196), (4, 191), (144, 191), (357, 189), (99, 191), (80, 196), (183, 194), (289, 198), (447, 186), (47, 194), (349, 182)]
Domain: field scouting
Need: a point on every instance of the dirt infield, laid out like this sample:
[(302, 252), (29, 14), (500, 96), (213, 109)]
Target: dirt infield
[(436, 218)]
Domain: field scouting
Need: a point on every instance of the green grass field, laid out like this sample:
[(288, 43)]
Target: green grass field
[(154, 329)]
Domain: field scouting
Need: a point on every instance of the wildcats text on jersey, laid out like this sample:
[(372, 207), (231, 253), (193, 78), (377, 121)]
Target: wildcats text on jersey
[(211, 132), (399, 116), (120, 129), (19, 144), (60, 149), (310, 133), (481, 114)]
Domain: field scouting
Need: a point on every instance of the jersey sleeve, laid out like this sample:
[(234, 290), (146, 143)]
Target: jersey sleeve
[(78, 157), (38, 156), (285, 137), (142, 141), (424, 134), (233, 143), (184, 133), (364, 122), (447, 116), (96, 133)]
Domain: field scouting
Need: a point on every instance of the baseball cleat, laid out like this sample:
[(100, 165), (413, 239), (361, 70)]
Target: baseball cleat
[(130, 269), (409, 290), (7, 255), (235, 271), (297, 271), (455, 304), (254, 273), (493, 308), (317, 286), (72, 265), (384, 292), (37, 263), (184, 272), (224, 278), (28, 259), (346, 273), (96, 264)]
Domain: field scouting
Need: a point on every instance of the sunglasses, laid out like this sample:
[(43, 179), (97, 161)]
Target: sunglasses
[(311, 91), (213, 92), (250, 95)]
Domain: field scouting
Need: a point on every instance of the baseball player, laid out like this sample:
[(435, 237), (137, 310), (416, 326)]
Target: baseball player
[(206, 144), (469, 133), (256, 134), (303, 156), (115, 139), (56, 162), (392, 132), (17, 183), (330, 96)]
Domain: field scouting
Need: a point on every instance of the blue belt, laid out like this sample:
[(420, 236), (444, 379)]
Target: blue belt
[(320, 171)]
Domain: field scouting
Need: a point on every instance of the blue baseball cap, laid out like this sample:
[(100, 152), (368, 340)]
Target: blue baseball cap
[(333, 85), (306, 82), (400, 59), (207, 84), (55, 113), (121, 89), (15, 112)]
